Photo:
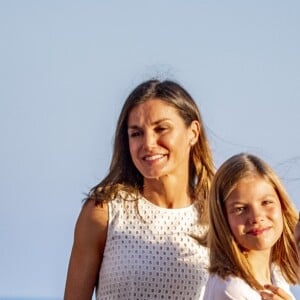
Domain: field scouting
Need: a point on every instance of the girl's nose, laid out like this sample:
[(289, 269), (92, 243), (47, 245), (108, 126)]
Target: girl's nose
[(255, 215)]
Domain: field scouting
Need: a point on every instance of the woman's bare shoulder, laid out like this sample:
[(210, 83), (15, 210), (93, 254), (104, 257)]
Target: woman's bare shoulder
[(92, 221), (87, 251)]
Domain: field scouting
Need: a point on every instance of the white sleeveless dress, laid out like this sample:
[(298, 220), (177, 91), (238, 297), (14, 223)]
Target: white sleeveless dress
[(150, 253)]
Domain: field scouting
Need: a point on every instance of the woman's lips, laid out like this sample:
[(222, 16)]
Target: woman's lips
[(153, 157)]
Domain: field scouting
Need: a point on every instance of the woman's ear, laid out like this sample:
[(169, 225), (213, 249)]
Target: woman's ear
[(194, 132)]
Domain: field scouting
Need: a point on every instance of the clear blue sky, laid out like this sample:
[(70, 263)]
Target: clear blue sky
[(67, 66)]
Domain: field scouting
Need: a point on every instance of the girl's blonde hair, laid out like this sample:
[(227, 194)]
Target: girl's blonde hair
[(226, 257)]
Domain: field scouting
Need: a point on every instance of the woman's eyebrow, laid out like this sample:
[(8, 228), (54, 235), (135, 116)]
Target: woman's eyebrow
[(153, 123)]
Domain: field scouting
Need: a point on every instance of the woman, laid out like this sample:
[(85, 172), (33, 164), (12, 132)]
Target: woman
[(137, 234), (252, 249)]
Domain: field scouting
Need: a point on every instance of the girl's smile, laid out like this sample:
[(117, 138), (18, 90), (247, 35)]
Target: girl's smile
[(254, 214)]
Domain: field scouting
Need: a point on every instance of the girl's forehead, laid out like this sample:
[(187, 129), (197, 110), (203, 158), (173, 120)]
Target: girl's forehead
[(251, 188)]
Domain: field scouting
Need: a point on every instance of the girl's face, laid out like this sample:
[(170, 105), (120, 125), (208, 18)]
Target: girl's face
[(159, 141), (254, 214)]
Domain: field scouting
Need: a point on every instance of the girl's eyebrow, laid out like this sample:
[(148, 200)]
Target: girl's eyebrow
[(241, 202), (234, 202)]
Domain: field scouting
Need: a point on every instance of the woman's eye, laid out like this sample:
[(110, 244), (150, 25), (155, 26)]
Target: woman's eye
[(134, 134), (161, 129)]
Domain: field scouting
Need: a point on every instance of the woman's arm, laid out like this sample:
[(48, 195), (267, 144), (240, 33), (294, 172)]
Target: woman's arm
[(87, 252)]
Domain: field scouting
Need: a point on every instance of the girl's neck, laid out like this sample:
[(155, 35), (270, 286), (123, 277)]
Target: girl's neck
[(260, 264)]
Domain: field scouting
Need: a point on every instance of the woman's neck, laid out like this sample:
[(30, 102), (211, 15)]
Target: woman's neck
[(167, 193)]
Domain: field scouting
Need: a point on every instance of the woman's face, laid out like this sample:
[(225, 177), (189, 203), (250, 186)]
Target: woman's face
[(254, 214), (159, 141)]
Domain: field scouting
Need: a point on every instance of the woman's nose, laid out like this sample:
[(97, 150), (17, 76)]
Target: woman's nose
[(150, 139)]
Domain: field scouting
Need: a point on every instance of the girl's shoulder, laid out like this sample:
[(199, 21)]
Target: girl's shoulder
[(278, 279), (230, 288)]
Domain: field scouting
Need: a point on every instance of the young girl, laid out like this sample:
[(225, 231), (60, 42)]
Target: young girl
[(297, 236), (252, 248)]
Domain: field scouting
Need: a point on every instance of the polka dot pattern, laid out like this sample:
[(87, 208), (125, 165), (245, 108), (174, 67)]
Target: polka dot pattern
[(150, 253)]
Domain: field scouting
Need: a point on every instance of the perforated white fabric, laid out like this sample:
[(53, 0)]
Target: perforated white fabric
[(151, 254)]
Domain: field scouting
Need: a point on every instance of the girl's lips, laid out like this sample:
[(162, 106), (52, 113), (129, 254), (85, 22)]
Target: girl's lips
[(257, 231)]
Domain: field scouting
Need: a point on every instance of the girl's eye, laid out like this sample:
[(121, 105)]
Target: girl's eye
[(267, 202), (238, 210)]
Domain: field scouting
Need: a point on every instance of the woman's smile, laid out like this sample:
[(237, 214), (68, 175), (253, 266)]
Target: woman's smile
[(159, 140)]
